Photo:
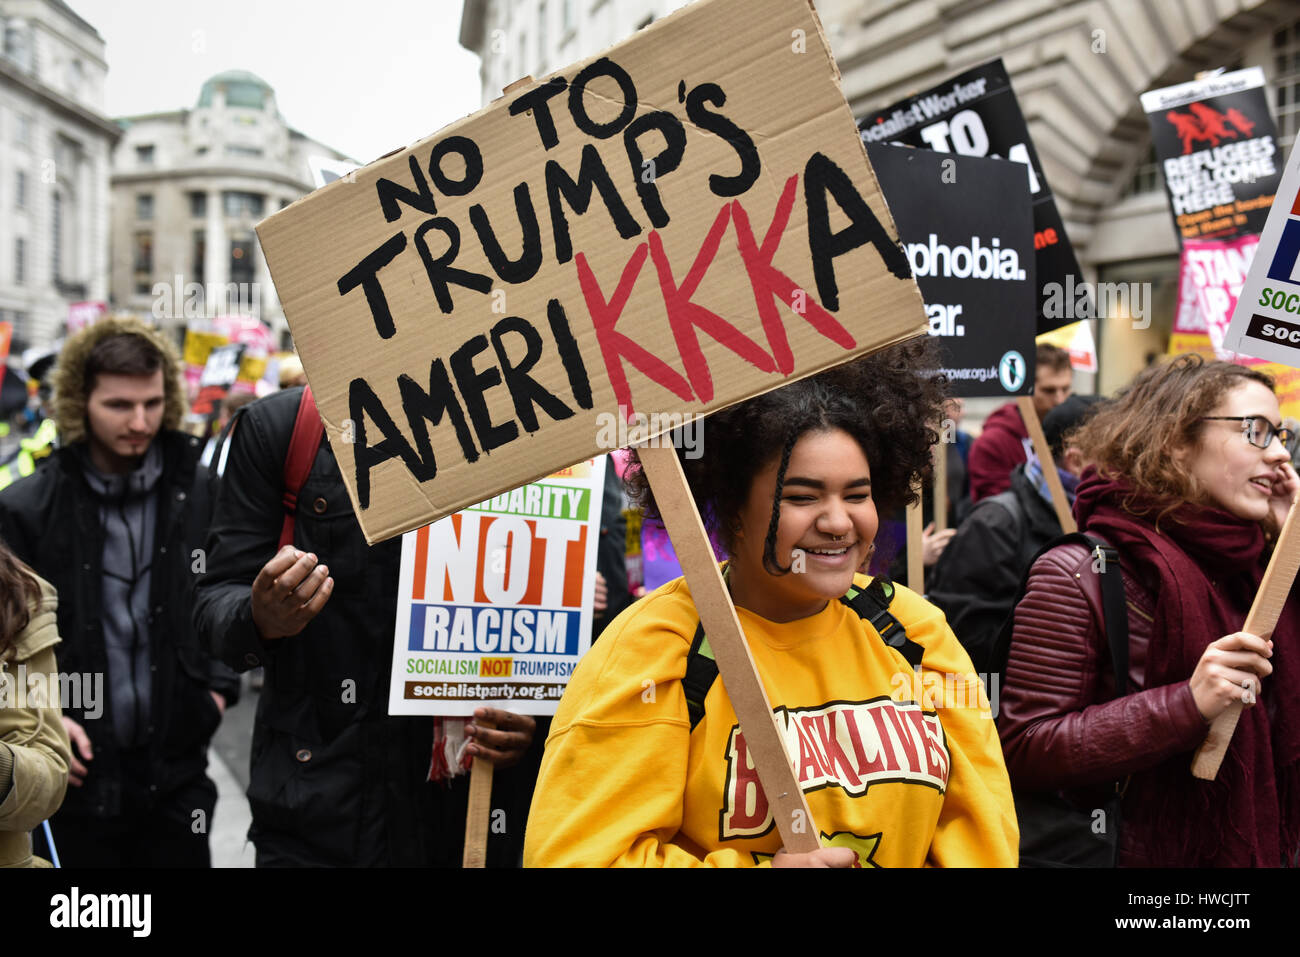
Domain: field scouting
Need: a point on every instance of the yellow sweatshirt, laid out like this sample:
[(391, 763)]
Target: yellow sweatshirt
[(904, 768)]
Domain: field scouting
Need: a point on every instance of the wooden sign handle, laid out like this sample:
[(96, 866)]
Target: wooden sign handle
[(480, 807), (1274, 588), (915, 549), (1059, 501), (735, 664), (940, 485)]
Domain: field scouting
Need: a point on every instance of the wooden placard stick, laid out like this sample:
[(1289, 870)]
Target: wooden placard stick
[(1274, 588), (915, 548), (940, 485), (1059, 501), (480, 807), (735, 664)]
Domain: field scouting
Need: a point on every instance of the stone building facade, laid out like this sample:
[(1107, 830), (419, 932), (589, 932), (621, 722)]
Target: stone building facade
[(1077, 66), (55, 144), (188, 188)]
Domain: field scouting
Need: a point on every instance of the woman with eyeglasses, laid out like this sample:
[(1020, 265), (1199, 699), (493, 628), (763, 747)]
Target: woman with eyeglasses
[(1190, 481)]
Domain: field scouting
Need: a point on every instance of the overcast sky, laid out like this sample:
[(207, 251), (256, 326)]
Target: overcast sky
[(363, 77)]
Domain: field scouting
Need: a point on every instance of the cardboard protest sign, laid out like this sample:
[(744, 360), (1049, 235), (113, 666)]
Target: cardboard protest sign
[(204, 335), (495, 603), (1078, 341), (976, 114), (1217, 146), (966, 224), (679, 224), (219, 374), (1266, 321)]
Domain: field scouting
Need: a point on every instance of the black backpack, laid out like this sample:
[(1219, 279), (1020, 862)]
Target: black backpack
[(1053, 832), (871, 604)]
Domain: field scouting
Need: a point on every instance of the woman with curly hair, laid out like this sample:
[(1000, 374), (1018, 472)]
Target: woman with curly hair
[(34, 748), (1189, 480), (900, 768)]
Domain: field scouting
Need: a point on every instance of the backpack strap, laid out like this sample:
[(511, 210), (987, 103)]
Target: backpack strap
[(308, 430), (1114, 606), (701, 672), (870, 603)]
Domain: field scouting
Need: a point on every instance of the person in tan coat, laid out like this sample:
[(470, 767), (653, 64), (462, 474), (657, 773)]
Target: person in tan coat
[(34, 746)]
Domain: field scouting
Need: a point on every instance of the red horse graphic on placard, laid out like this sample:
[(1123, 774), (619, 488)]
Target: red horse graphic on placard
[(1207, 125)]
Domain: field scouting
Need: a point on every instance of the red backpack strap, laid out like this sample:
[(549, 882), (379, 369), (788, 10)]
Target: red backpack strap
[(308, 430)]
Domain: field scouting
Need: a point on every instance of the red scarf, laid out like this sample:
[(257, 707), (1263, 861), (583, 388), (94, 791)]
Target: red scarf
[(1204, 566)]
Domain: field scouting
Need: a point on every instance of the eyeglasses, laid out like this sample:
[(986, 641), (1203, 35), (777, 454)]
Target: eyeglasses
[(1256, 429)]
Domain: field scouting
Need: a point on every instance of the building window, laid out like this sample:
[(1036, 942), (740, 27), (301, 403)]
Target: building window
[(20, 190), (570, 19), (234, 149), (241, 260), (144, 253), (199, 255), (144, 206), (242, 204), (56, 236), (1147, 177), (20, 260), (144, 155), (1286, 80), (23, 130), (198, 205)]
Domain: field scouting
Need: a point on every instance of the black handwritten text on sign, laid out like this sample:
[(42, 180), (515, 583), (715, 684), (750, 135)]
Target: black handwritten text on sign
[(558, 256)]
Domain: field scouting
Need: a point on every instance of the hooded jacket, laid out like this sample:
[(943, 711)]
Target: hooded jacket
[(999, 449), (52, 521), (32, 734)]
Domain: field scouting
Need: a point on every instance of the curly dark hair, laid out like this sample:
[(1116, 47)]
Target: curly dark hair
[(888, 401)]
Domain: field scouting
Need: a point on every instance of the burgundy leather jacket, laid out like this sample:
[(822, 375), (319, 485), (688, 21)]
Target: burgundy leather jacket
[(1060, 726)]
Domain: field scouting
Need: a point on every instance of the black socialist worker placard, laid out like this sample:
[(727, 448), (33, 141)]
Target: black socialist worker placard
[(976, 114), (1217, 147), (966, 225)]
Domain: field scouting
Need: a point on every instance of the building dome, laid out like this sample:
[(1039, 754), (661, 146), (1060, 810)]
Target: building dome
[(242, 89)]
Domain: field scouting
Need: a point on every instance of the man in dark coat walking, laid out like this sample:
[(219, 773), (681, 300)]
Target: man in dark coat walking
[(976, 579), (110, 520), (334, 780)]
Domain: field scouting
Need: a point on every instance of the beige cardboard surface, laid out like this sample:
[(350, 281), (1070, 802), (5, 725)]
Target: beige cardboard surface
[(469, 323)]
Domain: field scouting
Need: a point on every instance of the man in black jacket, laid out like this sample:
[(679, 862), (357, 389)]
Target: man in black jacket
[(109, 520), (334, 780), (977, 576)]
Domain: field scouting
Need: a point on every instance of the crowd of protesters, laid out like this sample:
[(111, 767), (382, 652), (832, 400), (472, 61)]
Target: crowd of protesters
[(165, 566)]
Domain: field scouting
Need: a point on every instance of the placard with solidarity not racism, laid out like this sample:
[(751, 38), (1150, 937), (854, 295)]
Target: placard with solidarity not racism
[(678, 224), (1266, 321), (967, 226), (1217, 146), (495, 603), (977, 114)]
